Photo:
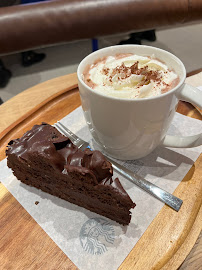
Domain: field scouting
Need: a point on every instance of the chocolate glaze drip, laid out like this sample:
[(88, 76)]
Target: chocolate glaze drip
[(95, 161)]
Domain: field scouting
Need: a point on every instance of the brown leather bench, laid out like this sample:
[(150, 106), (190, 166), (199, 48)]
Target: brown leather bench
[(25, 27)]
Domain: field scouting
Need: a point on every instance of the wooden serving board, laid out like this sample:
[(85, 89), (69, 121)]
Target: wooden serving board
[(24, 244)]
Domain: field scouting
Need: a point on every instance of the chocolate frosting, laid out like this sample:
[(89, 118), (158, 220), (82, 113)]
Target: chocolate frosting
[(45, 140)]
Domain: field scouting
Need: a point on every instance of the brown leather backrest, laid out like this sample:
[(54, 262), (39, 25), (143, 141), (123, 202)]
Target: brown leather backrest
[(47, 23)]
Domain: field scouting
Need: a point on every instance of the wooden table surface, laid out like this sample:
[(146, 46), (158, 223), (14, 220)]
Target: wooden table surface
[(172, 241)]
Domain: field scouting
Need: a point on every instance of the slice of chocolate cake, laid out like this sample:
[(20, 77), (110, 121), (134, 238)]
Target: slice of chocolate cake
[(45, 159)]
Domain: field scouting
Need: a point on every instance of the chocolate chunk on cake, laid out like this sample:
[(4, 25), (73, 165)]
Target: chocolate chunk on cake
[(45, 159)]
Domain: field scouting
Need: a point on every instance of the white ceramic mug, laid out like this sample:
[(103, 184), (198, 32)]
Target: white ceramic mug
[(133, 128)]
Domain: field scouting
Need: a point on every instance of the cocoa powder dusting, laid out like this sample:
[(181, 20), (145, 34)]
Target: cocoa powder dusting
[(126, 72), (134, 68), (105, 71)]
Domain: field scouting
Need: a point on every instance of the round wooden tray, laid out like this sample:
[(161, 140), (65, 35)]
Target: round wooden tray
[(24, 245)]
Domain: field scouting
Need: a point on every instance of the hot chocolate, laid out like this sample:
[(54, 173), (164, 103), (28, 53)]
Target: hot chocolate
[(130, 76)]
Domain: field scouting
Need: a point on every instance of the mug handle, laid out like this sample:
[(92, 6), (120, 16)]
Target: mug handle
[(194, 96)]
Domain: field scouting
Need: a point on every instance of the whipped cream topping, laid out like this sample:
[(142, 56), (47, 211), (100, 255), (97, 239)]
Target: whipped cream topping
[(130, 76)]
